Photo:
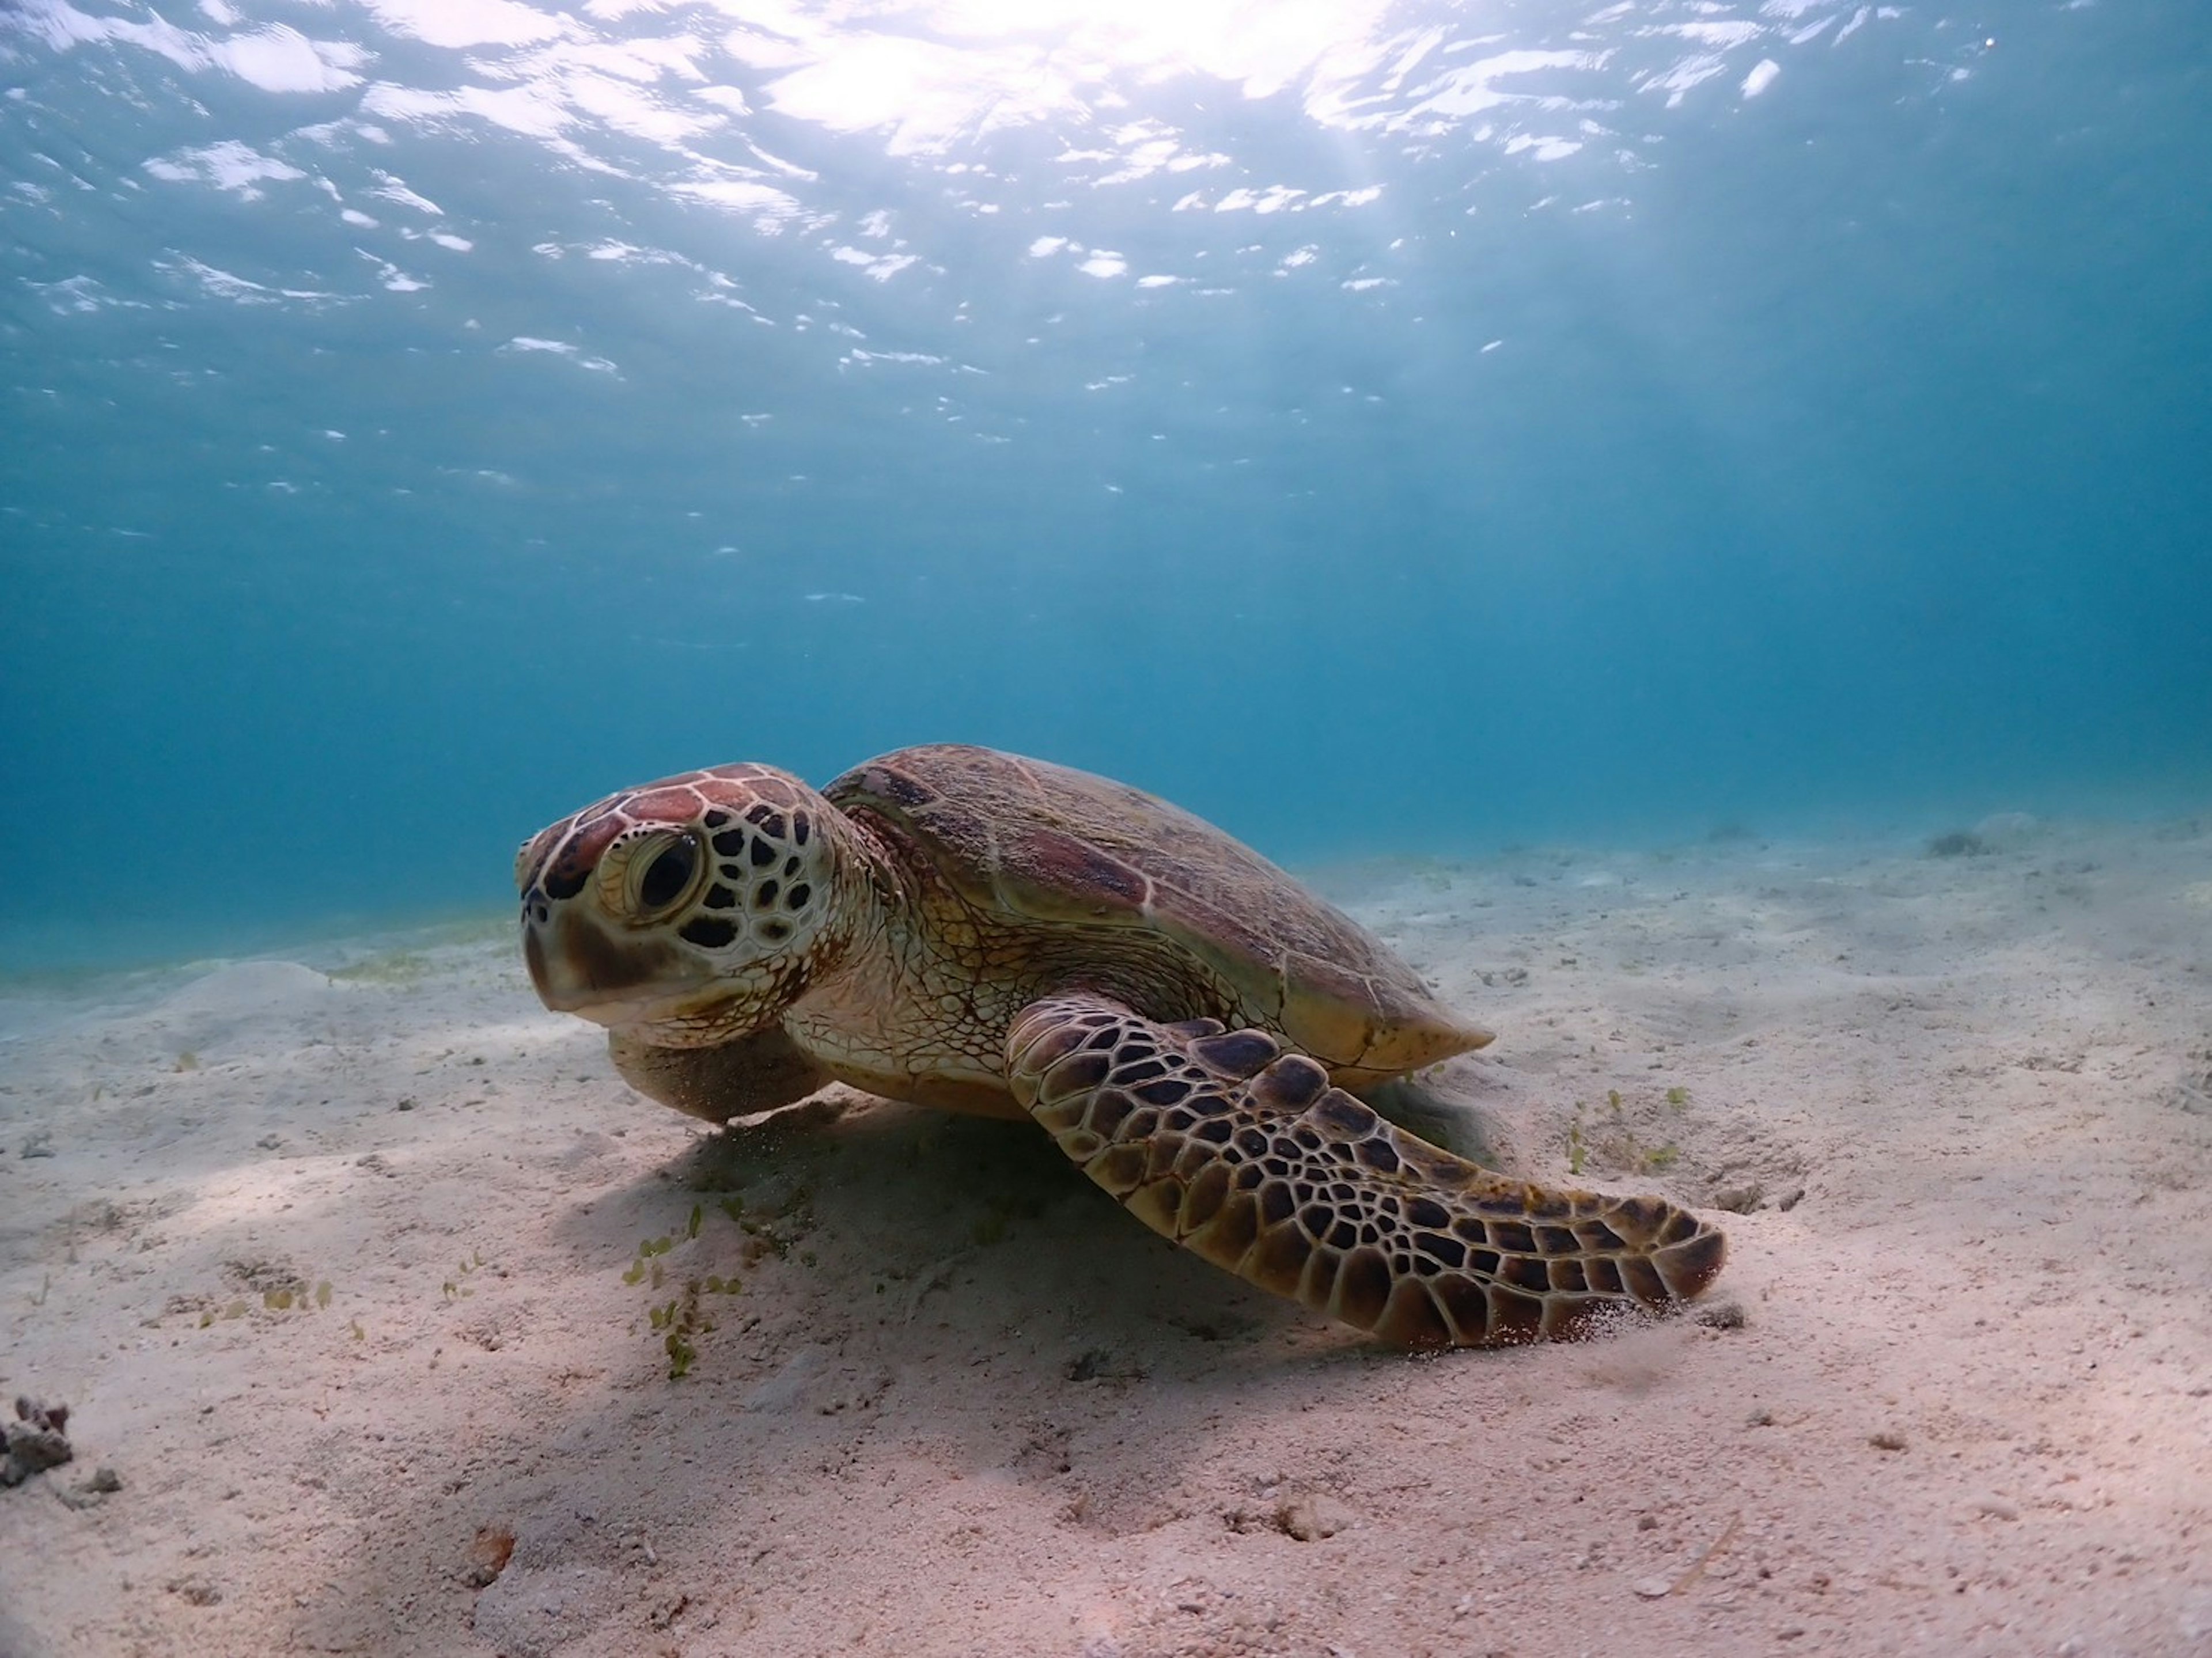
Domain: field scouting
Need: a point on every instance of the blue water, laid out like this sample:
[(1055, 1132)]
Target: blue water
[(1378, 427)]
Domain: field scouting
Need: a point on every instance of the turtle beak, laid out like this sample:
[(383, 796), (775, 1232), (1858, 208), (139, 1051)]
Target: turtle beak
[(576, 968)]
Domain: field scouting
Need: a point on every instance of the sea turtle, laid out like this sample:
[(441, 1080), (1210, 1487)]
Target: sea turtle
[(982, 932)]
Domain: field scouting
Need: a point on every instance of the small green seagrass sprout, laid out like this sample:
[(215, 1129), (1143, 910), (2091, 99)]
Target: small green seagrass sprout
[(1678, 1097), (680, 1318), (456, 1291)]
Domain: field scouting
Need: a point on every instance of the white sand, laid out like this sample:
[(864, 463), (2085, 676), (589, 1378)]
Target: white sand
[(961, 1405)]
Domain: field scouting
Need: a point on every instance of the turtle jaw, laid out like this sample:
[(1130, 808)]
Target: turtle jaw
[(578, 966), (646, 988)]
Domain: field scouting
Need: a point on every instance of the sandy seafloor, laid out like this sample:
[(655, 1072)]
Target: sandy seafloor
[(1954, 1396)]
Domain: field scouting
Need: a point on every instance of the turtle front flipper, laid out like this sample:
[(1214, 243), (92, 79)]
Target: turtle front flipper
[(1233, 1147)]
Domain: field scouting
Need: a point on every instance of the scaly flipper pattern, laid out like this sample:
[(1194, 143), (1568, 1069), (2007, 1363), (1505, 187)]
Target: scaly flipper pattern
[(1242, 1152)]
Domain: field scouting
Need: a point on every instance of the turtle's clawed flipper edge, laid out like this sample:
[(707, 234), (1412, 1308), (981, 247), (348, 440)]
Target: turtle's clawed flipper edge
[(1234, 1147)]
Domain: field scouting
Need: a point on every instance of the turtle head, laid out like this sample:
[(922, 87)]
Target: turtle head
[(683, 913)]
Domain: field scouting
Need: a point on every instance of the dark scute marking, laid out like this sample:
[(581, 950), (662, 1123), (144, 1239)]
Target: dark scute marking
[(1525, 1273), (720, 898), (1427, 1211), (1363, 1288), (1568, 1275), (1691, 1265), (1680, 1225), (1377, 1155), (1411, 1318), (1556, 1241), (764, 894), (1166, 1091), (1143, 1070), (1178, 1120), (768, 820), (1343, 1235), (1291, 1082), (1278, 1167), (1550, 1205), (1251, 1142), (1513, 1235), (715, 818), (1642, 1280), (1236, 1052), (801, 827), (1195, 1027), (1119, 1168), (565, 879), (1518, 1317), (1231, 1231), (1214, 1131), (730, 844), (1603, 1274), (1596, 1234), (1203, 1198), (763, 854), (791, 867), (1108, 1110), (708, 931), (1466, 1304), (1643, 1215), (732, 872), (1279, 1260), (1275, 1203), (1077, 1072), (1482, 1262), (776, 931), (1105, 1036), (1061, 863), (1317, 1219), (1249, 1176), (1346, 1115), (1445, 1248), (895, 786)]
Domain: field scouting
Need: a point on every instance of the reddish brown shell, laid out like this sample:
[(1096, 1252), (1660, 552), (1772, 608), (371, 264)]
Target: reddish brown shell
[(1057, 847)]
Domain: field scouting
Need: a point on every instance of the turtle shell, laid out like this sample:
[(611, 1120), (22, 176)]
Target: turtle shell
[(1055, 848)]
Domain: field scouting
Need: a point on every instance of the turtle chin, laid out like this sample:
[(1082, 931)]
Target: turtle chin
[(707, 1020)]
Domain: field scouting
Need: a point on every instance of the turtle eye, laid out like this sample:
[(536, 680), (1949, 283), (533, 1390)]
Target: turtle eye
[(667, 875)]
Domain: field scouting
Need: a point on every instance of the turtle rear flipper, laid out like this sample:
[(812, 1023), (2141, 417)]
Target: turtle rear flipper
[(1241, 1150)]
